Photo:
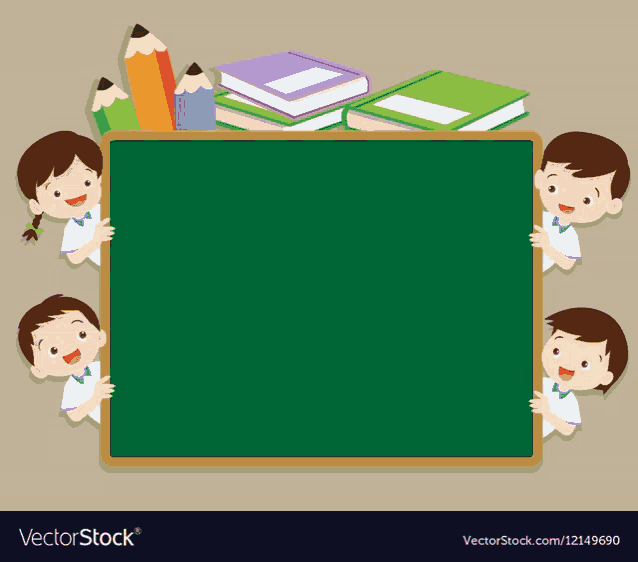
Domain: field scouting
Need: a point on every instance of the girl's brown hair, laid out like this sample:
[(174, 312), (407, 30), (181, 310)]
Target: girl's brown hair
[(54, 154)]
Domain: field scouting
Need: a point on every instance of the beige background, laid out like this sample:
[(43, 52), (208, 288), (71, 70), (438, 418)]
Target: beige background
[(578, 60)]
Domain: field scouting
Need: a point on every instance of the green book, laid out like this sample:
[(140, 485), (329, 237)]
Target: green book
[(233, 111), (220, 125), (438, 101)]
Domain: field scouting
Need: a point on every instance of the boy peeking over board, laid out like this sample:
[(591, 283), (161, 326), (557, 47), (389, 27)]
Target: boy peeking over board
[(583, 177), (60, 175), (587, 350), (61, 337)]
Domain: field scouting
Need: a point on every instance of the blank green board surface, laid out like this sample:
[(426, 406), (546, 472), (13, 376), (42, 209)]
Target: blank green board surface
[(321, 298)]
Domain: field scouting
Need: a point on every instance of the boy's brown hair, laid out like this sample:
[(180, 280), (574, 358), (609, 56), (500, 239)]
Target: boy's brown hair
[(46, 311), (54, 154), (593, 326), (591, 155)]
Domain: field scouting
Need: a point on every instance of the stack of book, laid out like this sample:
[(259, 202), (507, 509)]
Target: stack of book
[(293, 92), (286, 91)]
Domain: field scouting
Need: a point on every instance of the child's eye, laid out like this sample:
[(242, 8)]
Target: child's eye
[(82, 336), (552, 189), (587, 201), (556, 352), (585, 366), (57, 193), (53, 352), (87, 183)]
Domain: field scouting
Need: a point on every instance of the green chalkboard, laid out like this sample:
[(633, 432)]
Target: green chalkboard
[(321, 296)]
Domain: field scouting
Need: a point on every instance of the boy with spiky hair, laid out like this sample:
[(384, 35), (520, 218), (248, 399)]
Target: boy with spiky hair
[(60, 337), (587, 350), (582, 178)]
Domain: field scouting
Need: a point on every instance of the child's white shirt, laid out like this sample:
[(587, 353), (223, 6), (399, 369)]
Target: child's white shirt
[(79, 389), (79, 232), (561, 404), (562, 238)]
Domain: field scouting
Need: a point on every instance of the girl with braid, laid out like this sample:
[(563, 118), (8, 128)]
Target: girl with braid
[(60, 175)]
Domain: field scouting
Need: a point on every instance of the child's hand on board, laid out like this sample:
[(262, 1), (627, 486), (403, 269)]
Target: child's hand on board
[(540, 405), (103, 232), (103, 390), (540, 239)]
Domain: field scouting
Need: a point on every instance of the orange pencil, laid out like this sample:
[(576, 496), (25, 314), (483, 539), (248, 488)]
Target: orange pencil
[(150, 74)]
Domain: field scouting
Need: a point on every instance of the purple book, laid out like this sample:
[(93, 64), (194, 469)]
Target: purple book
[(294, 84)]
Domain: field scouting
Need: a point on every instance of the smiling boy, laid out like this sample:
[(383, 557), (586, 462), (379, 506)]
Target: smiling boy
[(587, 350), (60, 175), (61, 337), (582, 178)]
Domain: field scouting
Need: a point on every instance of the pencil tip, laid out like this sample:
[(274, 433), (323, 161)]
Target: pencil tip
[(104, 84), (139, 31), (194, 69)]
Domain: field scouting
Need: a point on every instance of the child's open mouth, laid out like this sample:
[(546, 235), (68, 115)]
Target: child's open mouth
[(566, 209), (565, 374), (73, 358), (77, 201)]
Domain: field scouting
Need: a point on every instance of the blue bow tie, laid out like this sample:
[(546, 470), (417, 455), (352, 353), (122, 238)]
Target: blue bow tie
[(560, 394), (561, 229), (87, 215), (80, 379)]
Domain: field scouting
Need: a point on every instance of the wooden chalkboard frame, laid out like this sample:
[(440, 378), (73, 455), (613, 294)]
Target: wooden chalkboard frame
[(105, 305)]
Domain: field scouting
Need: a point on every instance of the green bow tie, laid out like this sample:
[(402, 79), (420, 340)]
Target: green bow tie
[(87, 215), (561, 229), (80, 379), (560, 394)]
